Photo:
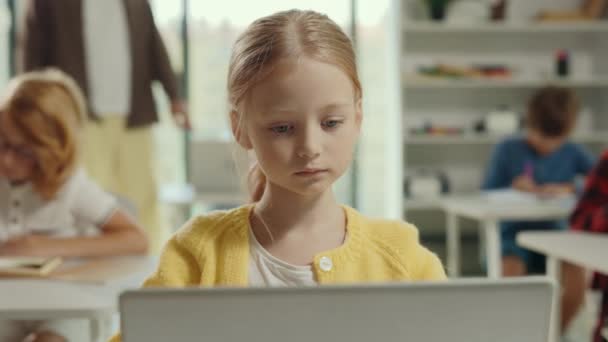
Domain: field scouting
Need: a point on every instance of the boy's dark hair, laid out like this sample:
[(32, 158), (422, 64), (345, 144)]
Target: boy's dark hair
[(552, 111)]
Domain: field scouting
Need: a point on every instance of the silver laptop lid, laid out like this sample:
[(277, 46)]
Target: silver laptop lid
[(473, 310)]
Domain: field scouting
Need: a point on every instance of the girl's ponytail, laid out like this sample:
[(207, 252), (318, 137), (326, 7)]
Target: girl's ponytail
[(256, 182)]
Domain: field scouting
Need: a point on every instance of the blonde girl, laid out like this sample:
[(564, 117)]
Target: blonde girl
[(295, 100)]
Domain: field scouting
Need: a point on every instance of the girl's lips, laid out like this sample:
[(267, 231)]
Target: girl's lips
[(310, 172)]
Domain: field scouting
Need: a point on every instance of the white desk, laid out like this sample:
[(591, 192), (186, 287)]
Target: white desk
[(30, 299), (588, 250), (78, 289), (490, 212)]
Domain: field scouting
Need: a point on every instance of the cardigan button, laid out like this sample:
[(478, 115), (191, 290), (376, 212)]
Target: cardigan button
[(326, 264)]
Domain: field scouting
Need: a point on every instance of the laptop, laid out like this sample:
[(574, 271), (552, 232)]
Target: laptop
[(467, 310)]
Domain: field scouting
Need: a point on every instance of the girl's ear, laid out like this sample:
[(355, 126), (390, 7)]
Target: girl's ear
[(359, 114), (240, 134)]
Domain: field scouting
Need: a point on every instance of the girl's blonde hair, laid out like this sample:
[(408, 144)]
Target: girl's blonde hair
[(47, 108), (281, 36)]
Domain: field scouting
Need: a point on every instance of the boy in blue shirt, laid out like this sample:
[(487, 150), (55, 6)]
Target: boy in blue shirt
[(541, 161)]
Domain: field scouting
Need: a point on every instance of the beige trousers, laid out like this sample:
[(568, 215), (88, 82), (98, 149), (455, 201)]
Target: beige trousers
[(122, 161)]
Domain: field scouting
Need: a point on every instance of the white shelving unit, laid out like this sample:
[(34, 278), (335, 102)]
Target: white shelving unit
[(425, 27), (413, 82), (529, 50), (480, 139)]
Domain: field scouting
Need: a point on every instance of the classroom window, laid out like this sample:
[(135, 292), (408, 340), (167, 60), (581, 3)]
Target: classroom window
[(5, 42), (379, 164), (169, 139)]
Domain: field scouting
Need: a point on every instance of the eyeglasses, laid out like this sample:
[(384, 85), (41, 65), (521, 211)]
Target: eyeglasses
[(21, 152)]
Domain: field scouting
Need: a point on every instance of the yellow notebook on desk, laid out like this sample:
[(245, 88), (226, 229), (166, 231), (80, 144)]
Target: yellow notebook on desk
[(28, 266)]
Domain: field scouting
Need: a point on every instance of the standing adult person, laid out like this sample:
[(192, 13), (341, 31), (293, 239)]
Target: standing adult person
[(114, 51)]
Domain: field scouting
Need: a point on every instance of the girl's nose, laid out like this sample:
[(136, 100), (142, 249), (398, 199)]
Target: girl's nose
[(310, 145)]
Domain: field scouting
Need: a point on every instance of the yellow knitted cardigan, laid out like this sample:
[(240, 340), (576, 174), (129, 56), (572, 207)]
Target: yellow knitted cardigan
[(213, 250)]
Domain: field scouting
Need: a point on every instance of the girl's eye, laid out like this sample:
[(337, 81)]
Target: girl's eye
[(282, 129), (332, 123)]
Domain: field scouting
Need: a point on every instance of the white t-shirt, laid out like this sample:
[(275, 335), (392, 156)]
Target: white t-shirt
[(79, 206), (108, 56), (267, 270)]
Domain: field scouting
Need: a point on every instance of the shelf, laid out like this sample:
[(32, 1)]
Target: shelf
[(416, 82), (414, 27), (472, 139)]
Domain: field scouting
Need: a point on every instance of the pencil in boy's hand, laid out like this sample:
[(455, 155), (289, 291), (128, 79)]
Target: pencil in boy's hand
[(524, 183), (529, 170)]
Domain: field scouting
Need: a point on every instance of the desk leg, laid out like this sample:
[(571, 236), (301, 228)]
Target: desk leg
[(554, 271), (453, 245), (493, 252), (100, 328)]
